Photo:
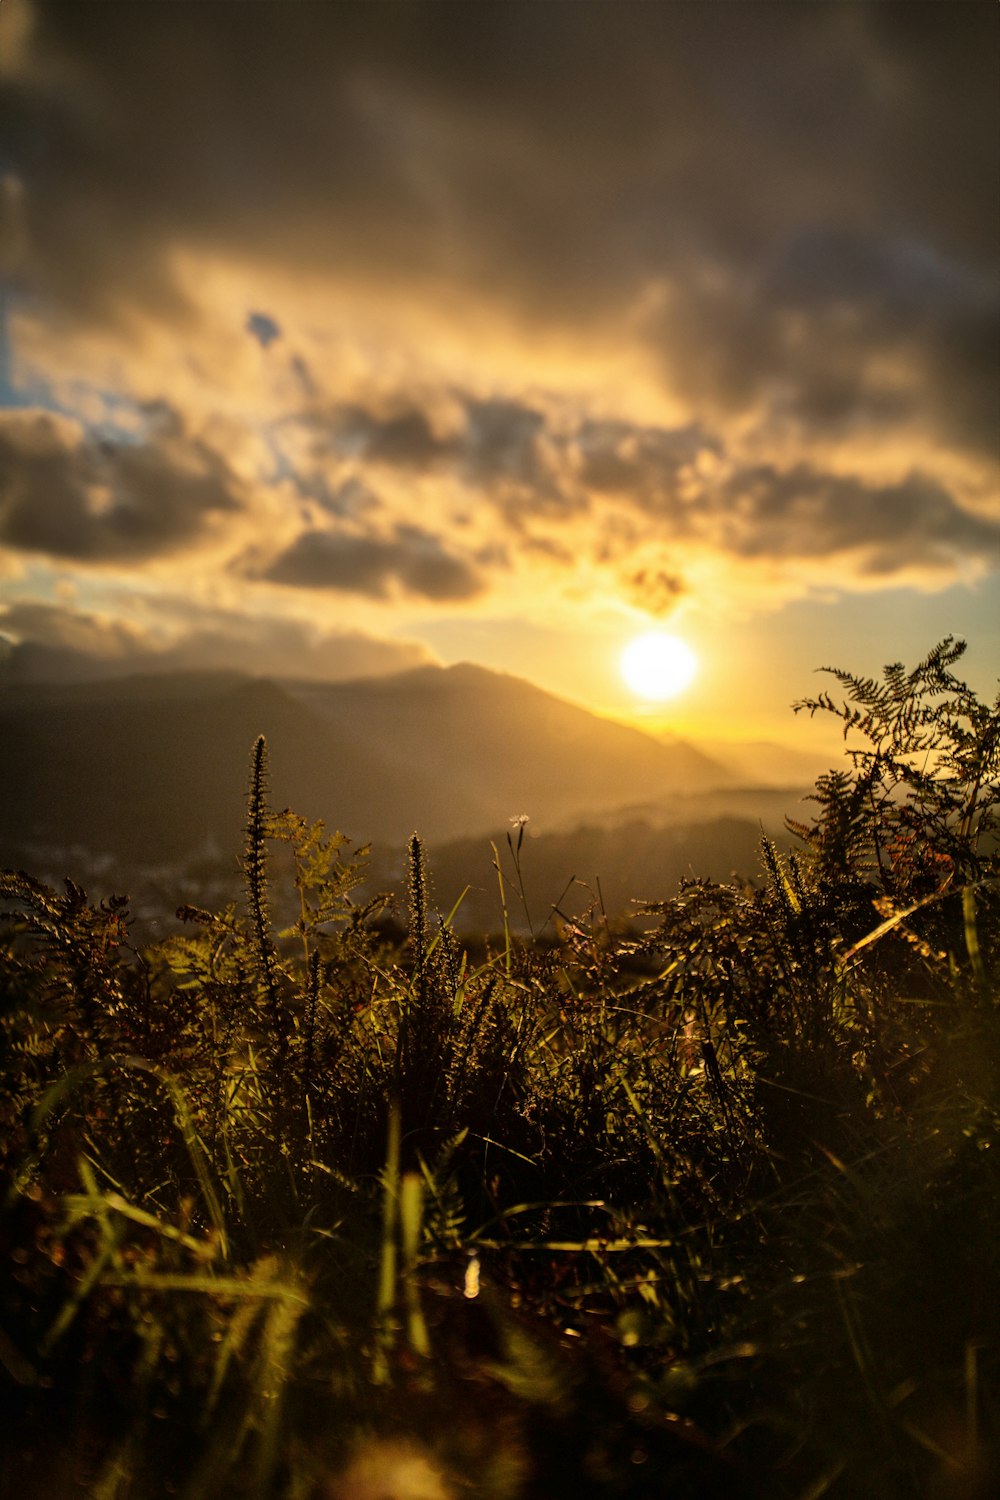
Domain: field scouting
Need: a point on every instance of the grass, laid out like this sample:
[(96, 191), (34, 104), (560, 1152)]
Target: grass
[(707, 1210)]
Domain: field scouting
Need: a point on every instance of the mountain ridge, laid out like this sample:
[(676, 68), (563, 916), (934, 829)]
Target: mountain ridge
[(151, 769), (135, 774), (510, 724)]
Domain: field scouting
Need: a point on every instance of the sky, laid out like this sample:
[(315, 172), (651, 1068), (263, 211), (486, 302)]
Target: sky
[(340, 338)]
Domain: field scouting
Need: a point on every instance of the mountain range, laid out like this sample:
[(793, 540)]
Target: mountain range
[(152, 770)]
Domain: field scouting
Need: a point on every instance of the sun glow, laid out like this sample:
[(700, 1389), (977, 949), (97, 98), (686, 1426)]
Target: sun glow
[(657, 666)]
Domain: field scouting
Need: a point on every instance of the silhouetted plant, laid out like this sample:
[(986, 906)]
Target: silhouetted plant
[(916, 816), (255, 867)]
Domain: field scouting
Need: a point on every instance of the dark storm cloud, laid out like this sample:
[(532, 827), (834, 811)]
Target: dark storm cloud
[(553, 159), (665, 484), (75, 496), (804, 513), (411, 560), (501, 444), (48, 642), (498, 442), (810, 328), (504, 449), (641, 461), (405, 438)]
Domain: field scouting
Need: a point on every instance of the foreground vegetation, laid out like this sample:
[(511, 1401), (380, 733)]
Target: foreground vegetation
[(709, 1210)]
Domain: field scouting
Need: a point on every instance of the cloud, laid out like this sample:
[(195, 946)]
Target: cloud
[(894, 529), (47, 642), (552, 162), (404, 439), (839, 328), (40, 632), (352, 497), (412, 561), (503, 446), (490, 442), (646, 463), (599, 294), (655, 591), (637, 492), (68, 494)]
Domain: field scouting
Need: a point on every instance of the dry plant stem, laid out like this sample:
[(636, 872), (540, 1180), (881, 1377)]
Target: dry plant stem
[(255, 864)]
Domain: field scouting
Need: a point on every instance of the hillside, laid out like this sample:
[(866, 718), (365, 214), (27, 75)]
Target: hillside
[(149, 769), (764, 763), (614, 867), (510, 745), (152, 769)]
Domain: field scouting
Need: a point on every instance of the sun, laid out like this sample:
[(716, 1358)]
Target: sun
[(658, 666)]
